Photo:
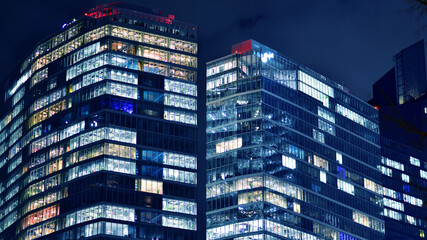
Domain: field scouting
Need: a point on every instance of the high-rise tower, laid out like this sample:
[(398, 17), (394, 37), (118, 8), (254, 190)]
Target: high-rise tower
[(400, 96), (98, 131), (290, 154)]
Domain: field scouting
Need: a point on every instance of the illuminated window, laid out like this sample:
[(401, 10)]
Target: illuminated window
[(179, 176), (361, 218), (423, 174), (319, 162), (101, 211), (323, 176), (391, 193), (40, 216), (394, 204), (392, 164), (405, 178), (179, 222), (179, 206), (180, 101), (228, 145), (180, 87), (327, 127), (150, 186), (355, 117), (108, 164), (411, 220), (374, 187), (319, 136), (180, 116), (221, 66), (386, 171), (297, 207), (220, 80), (288, 162), (103, 133), (276, 199), (179, 160), (345, 186), (315, 88), (325, 114), (412, 200), (250, 197), (414, 161)]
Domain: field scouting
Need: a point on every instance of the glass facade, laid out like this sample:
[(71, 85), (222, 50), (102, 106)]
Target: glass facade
[(400, 99), (98, 133), (290, 154)]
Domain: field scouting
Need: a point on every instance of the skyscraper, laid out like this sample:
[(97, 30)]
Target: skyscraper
[(400, 96), (290, 154), (98, 131)]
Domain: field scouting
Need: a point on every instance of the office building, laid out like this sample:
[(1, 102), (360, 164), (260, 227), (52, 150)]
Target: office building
[(98, 131), (290, 154), (402, 104)]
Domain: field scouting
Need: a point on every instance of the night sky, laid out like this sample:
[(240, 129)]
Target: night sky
[(350, 41)]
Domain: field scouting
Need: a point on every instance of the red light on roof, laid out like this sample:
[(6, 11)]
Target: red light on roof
[(172, 17), (242, 47), (376, 107)]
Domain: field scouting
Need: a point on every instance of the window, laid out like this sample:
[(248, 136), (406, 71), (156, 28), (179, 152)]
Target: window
[(179, 176), (40, 216), (405, 178), (150, 186), (228, 145), (327, 127), (179, 206), (323, 176), (319, 136), (180, 116), (179, 160), (101, 211), (414, 161), (385, 171), (339, 157), (391, 193), (392, 214), (103, 133), (180, 101), (179, 222), (345, 186), (374, 187), (353, 116), (250, 197), (108, 164), (319, 162), (394, 204), (288, 162), (325, 114), (423, 174), (275, 199), (412, 200), (180, 87), (297, 207), (392, 164)]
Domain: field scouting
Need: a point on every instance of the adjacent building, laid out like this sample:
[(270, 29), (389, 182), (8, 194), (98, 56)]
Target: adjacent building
[(400, 96), (98, 131), (290, 154)]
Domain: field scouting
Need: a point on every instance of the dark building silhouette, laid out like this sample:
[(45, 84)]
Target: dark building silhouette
[(401, 101), (98, 131)]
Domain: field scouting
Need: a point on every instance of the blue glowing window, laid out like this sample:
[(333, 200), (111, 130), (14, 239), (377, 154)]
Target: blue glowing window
[(122, 105), (341, 171)]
